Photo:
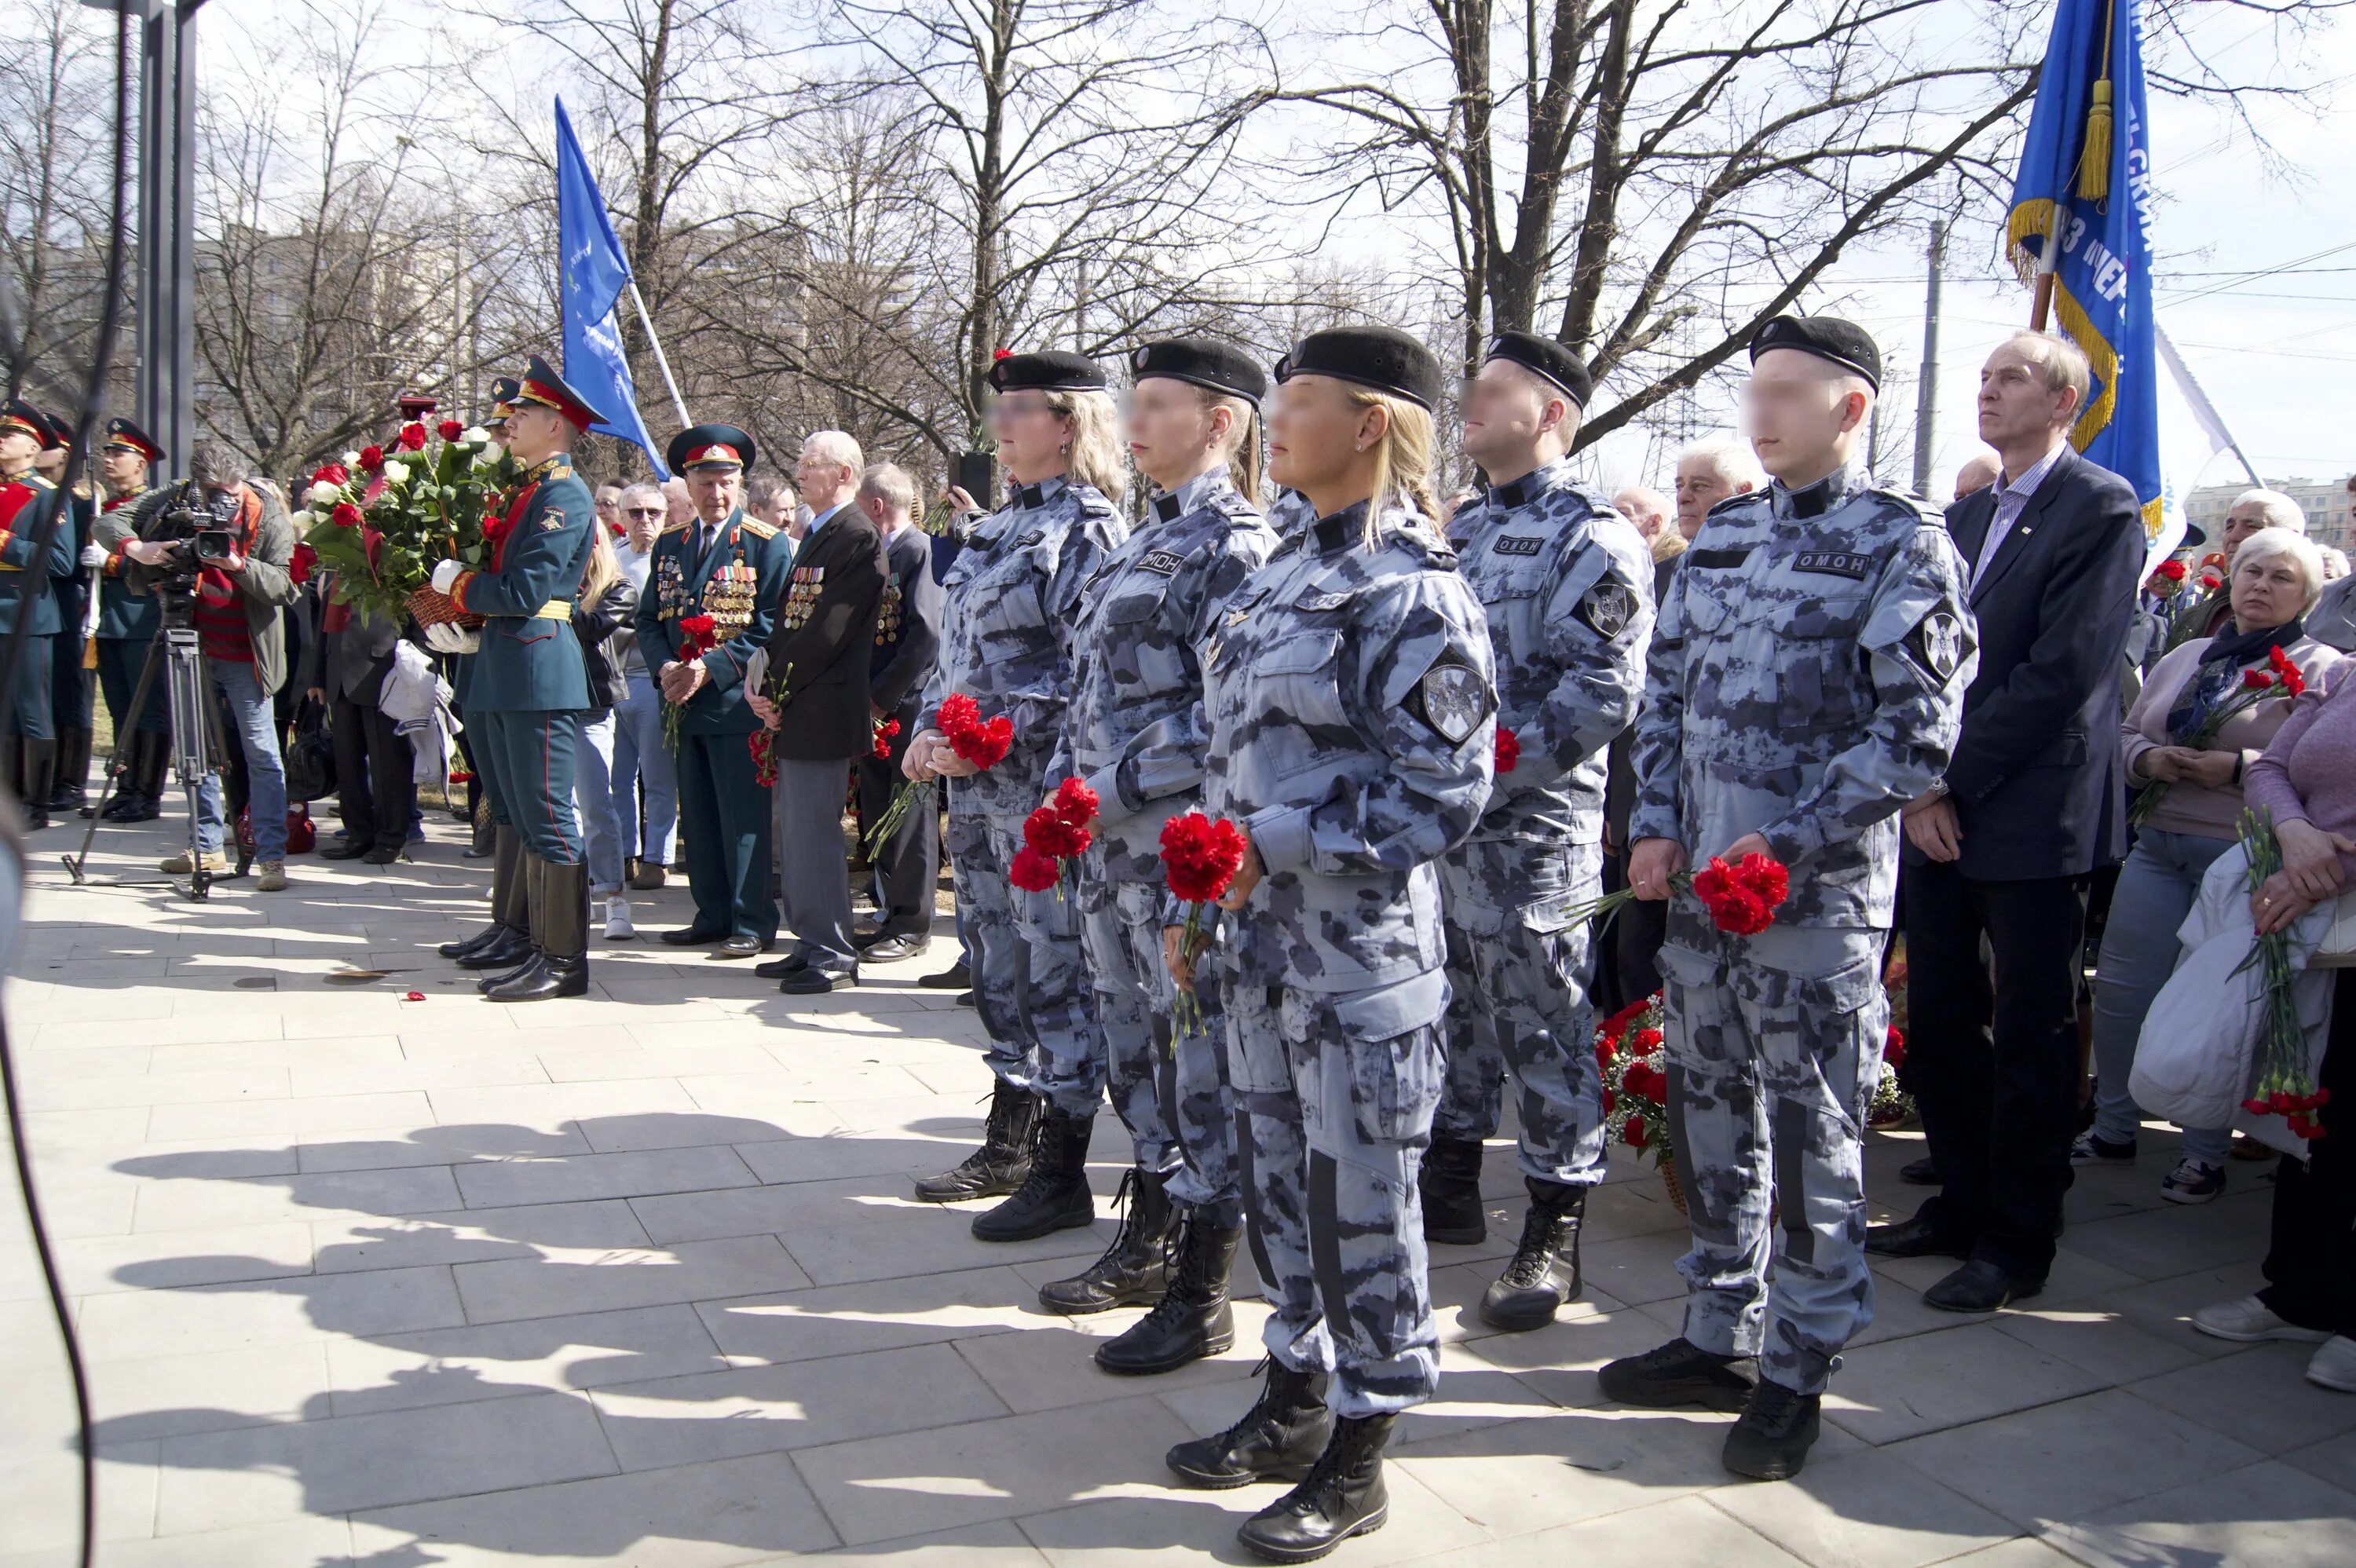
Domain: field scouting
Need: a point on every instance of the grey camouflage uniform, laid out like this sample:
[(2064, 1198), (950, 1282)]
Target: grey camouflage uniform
[(1568, 586), (1133, 732), (1009, 603), (1806, 680), (1349, 700)]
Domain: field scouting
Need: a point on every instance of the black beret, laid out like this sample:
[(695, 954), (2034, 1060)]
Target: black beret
[(1829, 337), (1220, 367), (710, 446), (1052, 370), (1545, 356), (1382, 358)]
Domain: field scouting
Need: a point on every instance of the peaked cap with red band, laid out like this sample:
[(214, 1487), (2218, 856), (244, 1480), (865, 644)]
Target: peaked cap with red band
[(710, 446), (543, 385), (20, 415), (122, 436)]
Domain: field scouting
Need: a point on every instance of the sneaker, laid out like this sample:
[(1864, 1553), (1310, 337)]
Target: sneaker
[(2334, 1366), (273, 877), (618, 919), (1679, 1372), (178, 866), (2192, 1182), (2249, 1319), (2093, 1148)]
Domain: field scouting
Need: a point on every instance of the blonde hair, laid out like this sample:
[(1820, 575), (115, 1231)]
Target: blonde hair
[(1242, 441), (1403, 458), (605, 568), (1096, 456)]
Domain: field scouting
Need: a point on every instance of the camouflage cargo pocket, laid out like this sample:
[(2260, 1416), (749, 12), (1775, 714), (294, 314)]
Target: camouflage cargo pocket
[(1385, 1059)]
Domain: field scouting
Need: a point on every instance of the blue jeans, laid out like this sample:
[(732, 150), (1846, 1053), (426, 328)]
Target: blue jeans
[(2157, 889), (639, 753), (250, 714), (592, 802)]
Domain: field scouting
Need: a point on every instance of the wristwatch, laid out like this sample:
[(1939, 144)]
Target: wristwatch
[(1938, 790)]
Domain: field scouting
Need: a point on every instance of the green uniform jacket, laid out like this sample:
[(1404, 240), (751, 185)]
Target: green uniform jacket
[(529, 662), (736, 583), (128, 612), (23, 505)]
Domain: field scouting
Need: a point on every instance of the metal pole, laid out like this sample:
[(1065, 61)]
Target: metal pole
[(156, 122), (654, 343), (183, 294), (1926, 396)]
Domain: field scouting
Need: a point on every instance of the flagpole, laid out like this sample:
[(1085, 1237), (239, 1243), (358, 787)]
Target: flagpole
[(2049, 262), (654, 343)]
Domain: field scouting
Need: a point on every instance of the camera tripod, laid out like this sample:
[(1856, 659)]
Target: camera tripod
[(179, 654)]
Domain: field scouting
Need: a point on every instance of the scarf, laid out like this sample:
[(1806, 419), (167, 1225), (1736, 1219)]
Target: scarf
[(2219, 673)]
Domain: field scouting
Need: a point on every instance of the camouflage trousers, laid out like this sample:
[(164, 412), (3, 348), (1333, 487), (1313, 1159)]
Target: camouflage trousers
[(1030, 983), (1171, 1093), (1773, 1047), (1333, 1099), (1519, 1000)]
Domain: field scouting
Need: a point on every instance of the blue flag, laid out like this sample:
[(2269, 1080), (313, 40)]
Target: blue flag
[(2082, 211), (590, 274)]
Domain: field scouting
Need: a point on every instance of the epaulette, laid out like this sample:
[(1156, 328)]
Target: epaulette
[(1286, 546), (1760, 494), (1923, 510), (671, 529), (38, 481), (753, 525)]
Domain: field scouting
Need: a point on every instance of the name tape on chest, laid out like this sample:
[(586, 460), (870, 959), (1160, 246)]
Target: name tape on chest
[(1518, 544), (1163, 563), (1834, 563), (1318, 604), (1717, 559)]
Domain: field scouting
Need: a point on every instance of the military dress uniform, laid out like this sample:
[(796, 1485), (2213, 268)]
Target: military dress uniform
[(27, 752), (1133, 732), (71, 691), (1566, 583), (129, 615), (1010, 605), (1805, 682), (738, 579), (907, 642)]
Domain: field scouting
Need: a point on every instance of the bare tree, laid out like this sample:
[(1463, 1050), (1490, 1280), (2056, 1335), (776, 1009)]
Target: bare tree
[(55, 184)]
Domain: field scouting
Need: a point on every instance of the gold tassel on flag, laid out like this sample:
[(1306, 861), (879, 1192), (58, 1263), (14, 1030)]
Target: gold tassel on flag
[(2094, 165)]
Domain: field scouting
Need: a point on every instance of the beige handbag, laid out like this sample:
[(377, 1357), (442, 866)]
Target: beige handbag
[(2338, 948)]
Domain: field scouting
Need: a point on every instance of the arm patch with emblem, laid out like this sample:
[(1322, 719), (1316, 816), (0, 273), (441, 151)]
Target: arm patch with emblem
[(1452, 699), (1607, 609), (1935, 646)]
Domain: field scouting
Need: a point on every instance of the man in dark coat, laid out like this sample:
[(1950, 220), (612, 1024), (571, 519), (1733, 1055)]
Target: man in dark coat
[(907, 641)]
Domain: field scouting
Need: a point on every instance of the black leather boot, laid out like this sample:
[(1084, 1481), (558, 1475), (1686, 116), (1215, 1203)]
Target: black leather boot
[(1003, 1160), (1135, 1269), (69, 787), (123, 771), (1342, 1495), (508, 939), (561, 914), (1192, 1319), (1055, 1196), (1279, 1439), (528, 902), (1451, 1185), (1771, 1439), (1544, 1274), (40, 772), (151, 759)]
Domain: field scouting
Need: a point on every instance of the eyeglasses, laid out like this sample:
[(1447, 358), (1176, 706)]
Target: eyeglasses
[(642, 511)]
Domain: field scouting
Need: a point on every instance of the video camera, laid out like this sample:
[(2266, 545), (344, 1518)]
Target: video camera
[(197, 528)]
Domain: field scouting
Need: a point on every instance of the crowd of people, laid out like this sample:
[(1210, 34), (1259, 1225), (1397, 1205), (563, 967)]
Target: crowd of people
[(1433, 739)]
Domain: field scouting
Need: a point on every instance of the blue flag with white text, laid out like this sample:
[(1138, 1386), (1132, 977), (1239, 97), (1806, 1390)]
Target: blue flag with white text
[(2082, 210), (590, 274)]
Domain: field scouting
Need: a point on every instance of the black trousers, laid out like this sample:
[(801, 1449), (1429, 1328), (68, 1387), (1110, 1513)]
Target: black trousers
[(907, 866), (1995, 1054), (374, 789), (2311, 1258), (1638, 929)]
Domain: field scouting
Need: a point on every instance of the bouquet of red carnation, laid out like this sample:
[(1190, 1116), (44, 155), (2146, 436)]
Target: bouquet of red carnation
[(696, 636), (1891, 1105), (984, 745), (2284, 1087), (1200, 858), (2279, 679), (763, 742), (1509, 750), (1741, 898), (885, 729), (2167, 578), (1053, 835), (1631, 1058)]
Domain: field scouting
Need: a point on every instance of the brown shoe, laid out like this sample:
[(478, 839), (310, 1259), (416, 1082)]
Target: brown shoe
[(650, 877)]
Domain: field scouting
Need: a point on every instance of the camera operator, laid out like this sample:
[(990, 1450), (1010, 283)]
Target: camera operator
[(28, 748), (236, 563)]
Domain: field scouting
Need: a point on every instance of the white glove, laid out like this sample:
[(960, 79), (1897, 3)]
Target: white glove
[(93, 554), (449, 637), (445, 574)]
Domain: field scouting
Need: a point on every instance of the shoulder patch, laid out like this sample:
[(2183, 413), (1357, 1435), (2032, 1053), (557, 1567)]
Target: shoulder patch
[(757, 529), (1834, 563), (1607, 609), (1452, 699), (1163, 563), (1519, 544), (1935, 646)]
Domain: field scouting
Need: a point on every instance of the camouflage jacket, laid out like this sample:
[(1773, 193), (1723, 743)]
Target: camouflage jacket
[(1350, 704), (1136, 685), (1806, 680), (1011, 601)]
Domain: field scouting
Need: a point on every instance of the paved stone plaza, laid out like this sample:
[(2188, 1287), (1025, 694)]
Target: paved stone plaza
[(636, 1279)]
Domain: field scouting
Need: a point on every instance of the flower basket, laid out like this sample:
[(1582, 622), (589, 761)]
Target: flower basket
[(433, 608)]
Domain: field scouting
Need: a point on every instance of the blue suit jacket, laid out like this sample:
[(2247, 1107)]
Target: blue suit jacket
[(736, 583), (2036, 775), (530, 662)]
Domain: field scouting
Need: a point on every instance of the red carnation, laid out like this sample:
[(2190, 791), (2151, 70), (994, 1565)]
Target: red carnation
[(697, 637), (345, 515), (334, 473), (1051, 836), (1648, 1040), (1200, 856), (450, 430), (1742, 898), (300, 564), (1032, 871), (2258, 679), (371, 459), (997, 355), (985, 745), (2209, 581), (1076, 803), (412, 436), (885, 730), (1893, 1047), (1633, 1081), (1633, 1133), (2173, 570), (1509, 750)]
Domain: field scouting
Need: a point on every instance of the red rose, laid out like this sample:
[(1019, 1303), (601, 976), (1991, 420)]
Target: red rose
[(300, 564), (333, 473), (1076, 803), (371, 459), (413, 437), (450, 430), (345, 515), (1633, 1133), (1509, 750), (1032, 871)]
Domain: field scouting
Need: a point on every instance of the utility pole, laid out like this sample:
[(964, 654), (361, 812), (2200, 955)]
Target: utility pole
[(1926, 395)]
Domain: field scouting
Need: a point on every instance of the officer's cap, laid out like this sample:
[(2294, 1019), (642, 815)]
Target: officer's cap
[(1220, 367), (1829, 337), (1382, 358), (710, 446), (17, 414), (58, 434), (1543, 357), (1050, 370), (503, 395), (122, 436), (543, 385)]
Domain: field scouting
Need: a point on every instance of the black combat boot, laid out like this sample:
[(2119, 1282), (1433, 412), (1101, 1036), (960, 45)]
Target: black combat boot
[(561, 914), (1451, 1185), (1771, 1440), (1279, 1439), (1544, 1274), (1003, 1160), (70, 786), (1679, 1372), (1134, 1270), (1055, 1196), (40, 767), (1192, 1320), (1342, 1495)]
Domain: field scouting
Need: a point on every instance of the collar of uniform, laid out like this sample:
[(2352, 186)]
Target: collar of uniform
[(1813, 500), (1531, 486), (1039, 495), (543, 468), (1172, 505), (1343, 529)]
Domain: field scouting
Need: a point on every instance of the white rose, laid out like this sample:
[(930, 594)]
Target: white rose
[(476, 435), (395, 471), (351, 460), (488, 457), (323, 496)]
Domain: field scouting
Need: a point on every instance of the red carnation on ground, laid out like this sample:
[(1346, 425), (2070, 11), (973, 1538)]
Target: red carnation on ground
[(302, 562), (371, 459), (1032, 871), (413, 437), (450, 430), (1509, 750), (1633, 1134)]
